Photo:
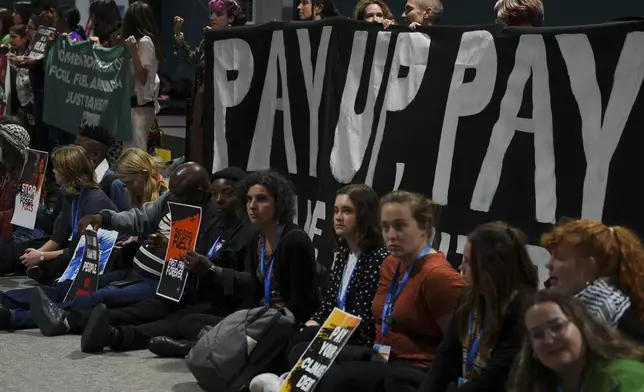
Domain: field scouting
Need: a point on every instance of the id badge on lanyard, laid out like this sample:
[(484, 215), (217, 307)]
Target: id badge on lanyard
[(267, 274)]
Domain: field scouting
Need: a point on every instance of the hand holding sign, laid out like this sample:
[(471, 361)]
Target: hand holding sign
[(196, 263), (89, 220), (158, 241)]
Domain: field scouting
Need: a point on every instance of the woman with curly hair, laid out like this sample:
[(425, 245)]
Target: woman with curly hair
[(604, 268), (486, 335), (374, 11), (567, 349), (279, 265)]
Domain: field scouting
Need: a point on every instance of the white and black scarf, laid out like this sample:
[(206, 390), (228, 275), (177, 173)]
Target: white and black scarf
[(604, 301)]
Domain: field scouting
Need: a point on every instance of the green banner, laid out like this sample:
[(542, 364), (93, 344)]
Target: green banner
[(87, 84)]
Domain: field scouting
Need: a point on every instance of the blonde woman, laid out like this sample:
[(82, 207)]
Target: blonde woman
[(374, 11), (141, 174)]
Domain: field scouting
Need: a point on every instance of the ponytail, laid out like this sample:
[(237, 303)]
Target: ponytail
[(630, 267)]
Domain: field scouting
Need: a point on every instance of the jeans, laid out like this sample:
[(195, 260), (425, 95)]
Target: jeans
[(17, 301)]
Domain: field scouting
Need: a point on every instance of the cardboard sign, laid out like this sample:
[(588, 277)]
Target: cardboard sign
[(106, 242), (186, 221), (321, 353), (38, 46), (28, 198), (86, 280)]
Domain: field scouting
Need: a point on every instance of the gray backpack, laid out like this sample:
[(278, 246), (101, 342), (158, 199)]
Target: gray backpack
[(227, 357)]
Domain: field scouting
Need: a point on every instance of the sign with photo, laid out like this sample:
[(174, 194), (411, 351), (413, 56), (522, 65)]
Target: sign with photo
[(28, 198)]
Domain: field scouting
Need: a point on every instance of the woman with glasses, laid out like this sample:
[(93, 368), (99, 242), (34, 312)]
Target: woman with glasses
[(567, 349), (604, 268), (485, 336)]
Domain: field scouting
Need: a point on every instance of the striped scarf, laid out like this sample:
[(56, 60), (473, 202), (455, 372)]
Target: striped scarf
[(604, 301)]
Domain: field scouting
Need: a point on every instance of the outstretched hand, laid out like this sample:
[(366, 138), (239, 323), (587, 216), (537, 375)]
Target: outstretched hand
[(94, 220)]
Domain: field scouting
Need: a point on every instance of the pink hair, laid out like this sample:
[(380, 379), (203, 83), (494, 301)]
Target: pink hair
[(230, 6)]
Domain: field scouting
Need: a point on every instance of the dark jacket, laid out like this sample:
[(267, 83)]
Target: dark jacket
[(235, 237), (92, 202), (294, 268), (360, 292), (448, 365)]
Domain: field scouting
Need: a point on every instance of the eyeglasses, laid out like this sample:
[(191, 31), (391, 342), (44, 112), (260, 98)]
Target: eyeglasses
[(555, 328)]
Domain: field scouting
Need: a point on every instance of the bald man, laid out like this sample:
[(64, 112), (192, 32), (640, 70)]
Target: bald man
[(422, 12)]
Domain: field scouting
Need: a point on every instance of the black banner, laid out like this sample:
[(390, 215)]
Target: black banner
[(186, 220), (493, 123), (86, 280)]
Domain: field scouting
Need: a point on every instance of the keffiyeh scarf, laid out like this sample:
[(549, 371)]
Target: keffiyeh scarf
[(604, 301)]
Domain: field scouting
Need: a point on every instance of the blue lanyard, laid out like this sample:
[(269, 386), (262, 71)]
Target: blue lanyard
[(75, 213), (267, 276), (214, 250), (474, 347), (341, 298), (388, 308)]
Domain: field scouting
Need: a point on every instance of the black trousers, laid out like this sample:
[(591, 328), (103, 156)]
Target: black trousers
[(371, 377), (177, 325), (10, 256)]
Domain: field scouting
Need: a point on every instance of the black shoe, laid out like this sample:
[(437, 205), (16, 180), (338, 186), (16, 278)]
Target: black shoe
[(5, 319), (47, 316), (35, 272), (99, 333), (169, 348)]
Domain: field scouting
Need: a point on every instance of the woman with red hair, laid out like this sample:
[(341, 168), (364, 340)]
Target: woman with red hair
[(604, 268)]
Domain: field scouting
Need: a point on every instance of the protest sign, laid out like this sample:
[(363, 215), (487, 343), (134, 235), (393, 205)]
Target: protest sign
[(106, 242), (86, 280), (321, 353), (28, 197), (186, 221), (493, 123), (38, 46), (88, 85)]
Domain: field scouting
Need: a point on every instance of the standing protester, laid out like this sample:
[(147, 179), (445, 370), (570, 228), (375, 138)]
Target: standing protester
[(422, 12), (143, 40), (6, 21), (519, 13), (68, 22), (604, 268), (224, 241), (567, 349), (316, 9), (486, 333), (417, 294), (374, 11), (14, 140), (223, 13), (104, 23), (22, 10)]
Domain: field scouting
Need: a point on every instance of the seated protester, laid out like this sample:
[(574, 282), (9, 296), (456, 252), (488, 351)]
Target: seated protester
[(602, 266), (14, 140), (354, 277), (73, 172), (96, 141), (140, 174), (417, 294), (485, 336), (223, 239), (279, 268), (129, 282), (568, 349)]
